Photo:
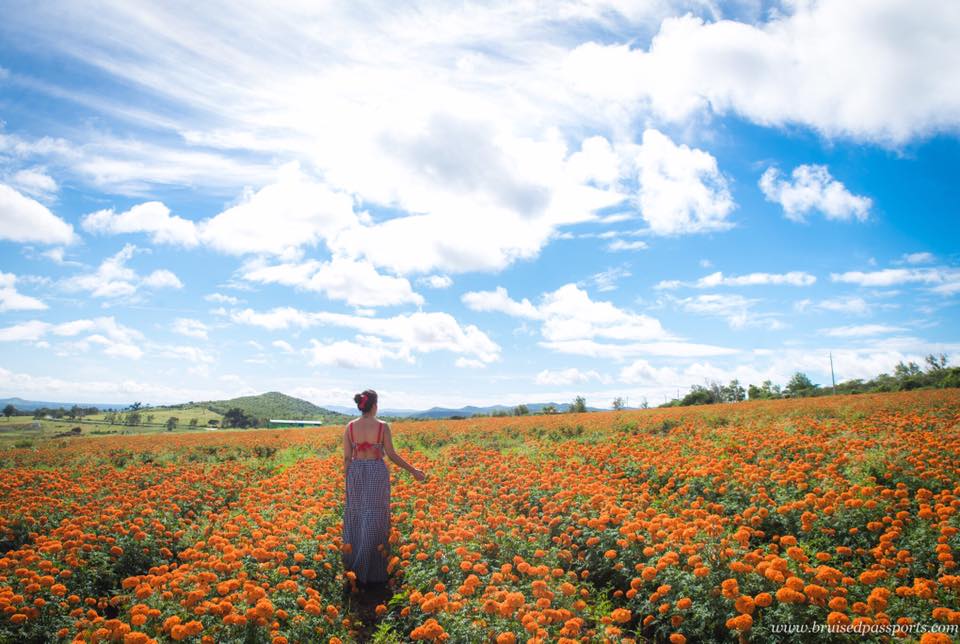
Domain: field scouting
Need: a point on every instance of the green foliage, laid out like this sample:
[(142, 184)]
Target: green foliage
[(579, 405), (272, 405)]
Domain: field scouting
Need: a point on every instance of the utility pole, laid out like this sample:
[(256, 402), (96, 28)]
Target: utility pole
[(832, 377)]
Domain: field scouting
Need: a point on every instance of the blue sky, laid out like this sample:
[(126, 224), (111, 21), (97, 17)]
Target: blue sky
[(473, 203)]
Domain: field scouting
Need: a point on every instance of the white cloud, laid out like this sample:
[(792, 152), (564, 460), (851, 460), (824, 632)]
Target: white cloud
[(855, 305), (162, 278), (681, 190), (571, 376), (409, 333), (569, 314), (24, 331), (23, 219), (436, 281), (192, 355), (356, 282), (292, 212), (942, 280), (642, 372), (115, 339), (12, 300), (114, 279), (736, 309), (367, 353), (855, 68), (664, 348), (151, 217), (792, 278), (282, 345), (919, 258), (118, 390), (220, 298), (813, 188), (499, 301), (190, 328), (854, 331), (621, 244), (35, 182), (468, 363), (606, 280)]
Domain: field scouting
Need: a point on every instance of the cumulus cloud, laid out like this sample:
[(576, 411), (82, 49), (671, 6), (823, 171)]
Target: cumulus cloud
[(190, 328), (398, 336), (622, 244), (291, 212), (681, 190), (792, 278), (822, 65), (114, 338), (571, 376), (813, 189), (12, 300), (23, 219), (356, 282), (642, 372), (919, 258), (35, 182), (151, 217), (220, 298), (737, 310), (571, 322), (436, 281), (860, 330), (941, 280), (367, 353), (114, 279)]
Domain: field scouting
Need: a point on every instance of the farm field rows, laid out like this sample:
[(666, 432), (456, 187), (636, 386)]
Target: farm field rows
[(719, 523)]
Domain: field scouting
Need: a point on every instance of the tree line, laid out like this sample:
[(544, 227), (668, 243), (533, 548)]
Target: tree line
[(935, 374)]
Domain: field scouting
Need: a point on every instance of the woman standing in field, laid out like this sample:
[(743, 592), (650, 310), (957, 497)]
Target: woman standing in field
[(366, 515)]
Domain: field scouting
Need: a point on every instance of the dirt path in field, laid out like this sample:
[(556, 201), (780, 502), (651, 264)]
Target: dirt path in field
[(362, 608)]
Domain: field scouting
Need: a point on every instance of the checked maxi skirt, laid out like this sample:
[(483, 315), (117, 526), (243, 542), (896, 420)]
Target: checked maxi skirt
[(366, 520)]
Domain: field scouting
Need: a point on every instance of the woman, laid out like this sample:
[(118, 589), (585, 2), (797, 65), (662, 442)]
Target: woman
[(366, 515)]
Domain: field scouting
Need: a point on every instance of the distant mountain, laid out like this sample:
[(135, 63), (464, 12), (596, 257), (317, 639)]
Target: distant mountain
[(272, 404), (277, 405), (470, 410), (30, 405)]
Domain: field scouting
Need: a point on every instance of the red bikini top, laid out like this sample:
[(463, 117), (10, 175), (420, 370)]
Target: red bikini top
[(366, 445)]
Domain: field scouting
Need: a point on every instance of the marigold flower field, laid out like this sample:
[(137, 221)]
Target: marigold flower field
[(688, 524)]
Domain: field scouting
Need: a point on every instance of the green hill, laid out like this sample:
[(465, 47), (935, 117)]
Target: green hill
[(272, 404)]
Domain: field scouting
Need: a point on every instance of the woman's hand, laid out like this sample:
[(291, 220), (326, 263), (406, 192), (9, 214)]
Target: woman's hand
[(418, 474)]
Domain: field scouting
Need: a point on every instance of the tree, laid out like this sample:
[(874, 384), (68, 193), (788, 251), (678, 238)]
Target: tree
[(700, 395), (936, 363), (903, 371), (644, 404), (549, 409), (521, 410), (172, 423), (193, 422), (9, 411), (133, 418), (734, 392), (800, 385), (579, 405), (619, 403), (236, 417)]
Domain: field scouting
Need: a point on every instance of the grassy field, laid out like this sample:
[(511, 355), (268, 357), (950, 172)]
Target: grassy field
[(719, 523)]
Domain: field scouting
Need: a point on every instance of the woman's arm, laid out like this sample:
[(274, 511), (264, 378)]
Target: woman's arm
[(346, 450), (396, 458)]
